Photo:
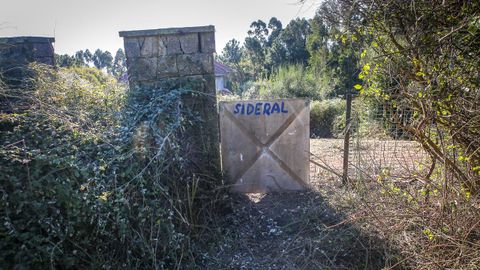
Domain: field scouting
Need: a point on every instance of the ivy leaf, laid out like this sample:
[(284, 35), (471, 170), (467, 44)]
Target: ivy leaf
[(364, 53), (420, 74)]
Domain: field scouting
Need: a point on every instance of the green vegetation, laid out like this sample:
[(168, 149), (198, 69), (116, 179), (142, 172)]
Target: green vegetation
[(327, 118), (420, 63), (413, 69), (92, 175), (290, 82), (102, 60), (84, 182), (308, 59)]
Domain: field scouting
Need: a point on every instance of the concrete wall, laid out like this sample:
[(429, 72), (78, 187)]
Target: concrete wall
[(174, 58), (17, 52)]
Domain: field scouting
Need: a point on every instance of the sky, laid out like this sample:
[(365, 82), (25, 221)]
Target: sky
[(91, 24)]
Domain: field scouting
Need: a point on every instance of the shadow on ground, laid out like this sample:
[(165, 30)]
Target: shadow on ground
[(295, 230)]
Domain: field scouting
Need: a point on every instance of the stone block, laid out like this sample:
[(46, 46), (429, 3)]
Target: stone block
[(173, 44), (137, 85), (42, 50), (132, 47), (148, 46), (142, 69), (162, 46), (14, 51), (199, 83), (189, 43), (167, 66), (207, 42), (210, 84), (46, 60), (195, 64)]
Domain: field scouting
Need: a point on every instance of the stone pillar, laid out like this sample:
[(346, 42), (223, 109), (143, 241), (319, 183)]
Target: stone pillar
[(17, 52), (181, 58)]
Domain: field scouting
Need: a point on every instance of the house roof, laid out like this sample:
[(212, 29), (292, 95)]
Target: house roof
[(221, 69)]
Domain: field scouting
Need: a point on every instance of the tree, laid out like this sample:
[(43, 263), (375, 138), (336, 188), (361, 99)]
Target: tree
[(318, 44), (97, 58), (255, 53), (88, 56), (119, 64), (275, 27), (64, 60), (102, 60), (275, 51), (294, 39), (80, 58), (276, 56), (259, 31), (334, 58), (426, 59), (232, 53)]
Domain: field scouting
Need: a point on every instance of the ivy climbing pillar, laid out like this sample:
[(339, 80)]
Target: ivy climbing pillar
[(181, 58)]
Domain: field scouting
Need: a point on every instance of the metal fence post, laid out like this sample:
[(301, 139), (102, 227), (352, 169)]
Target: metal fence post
[(346, 143)]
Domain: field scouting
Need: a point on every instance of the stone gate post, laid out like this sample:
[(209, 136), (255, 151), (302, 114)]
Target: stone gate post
[(174, 58), (17, 52)]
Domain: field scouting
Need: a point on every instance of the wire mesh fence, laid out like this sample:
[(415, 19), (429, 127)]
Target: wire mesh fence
[(391, 152), (377, 146)]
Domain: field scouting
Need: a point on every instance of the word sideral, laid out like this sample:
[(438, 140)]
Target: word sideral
[(259, 108)]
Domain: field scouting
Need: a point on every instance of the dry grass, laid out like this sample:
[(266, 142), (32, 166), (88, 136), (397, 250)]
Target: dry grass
[(433, 223), (386, 222)]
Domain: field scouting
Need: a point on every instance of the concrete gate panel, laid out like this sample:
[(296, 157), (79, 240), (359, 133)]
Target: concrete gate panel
[(265, 144)]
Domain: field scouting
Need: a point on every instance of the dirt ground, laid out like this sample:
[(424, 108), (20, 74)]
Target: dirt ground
[(291, 231), (299, 230)]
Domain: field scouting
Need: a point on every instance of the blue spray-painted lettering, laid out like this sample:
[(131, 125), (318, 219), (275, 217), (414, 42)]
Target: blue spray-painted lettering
[(250, 108), (275, 108), (260, 108), (237, 108), (266, 109)]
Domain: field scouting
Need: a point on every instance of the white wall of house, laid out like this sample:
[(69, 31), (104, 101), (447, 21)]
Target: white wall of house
[(219, 83)]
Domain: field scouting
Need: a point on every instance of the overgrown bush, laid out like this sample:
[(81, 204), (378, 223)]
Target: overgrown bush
[(367, 121), (323, 115), (89, 178), (420, 59), (293, 81)]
